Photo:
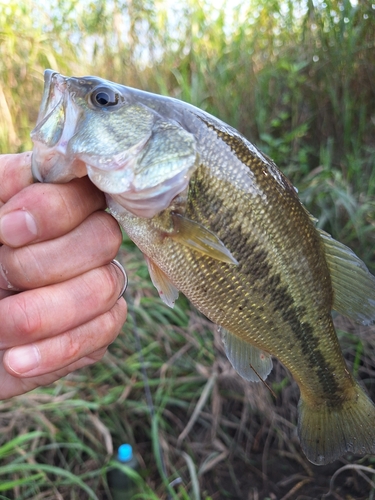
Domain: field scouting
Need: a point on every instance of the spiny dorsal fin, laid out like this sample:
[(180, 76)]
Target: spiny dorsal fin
[(201, 239), (243, 356), (167, 291), (353, 284)]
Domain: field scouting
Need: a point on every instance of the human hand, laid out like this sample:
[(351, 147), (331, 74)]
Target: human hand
[(59, 305)]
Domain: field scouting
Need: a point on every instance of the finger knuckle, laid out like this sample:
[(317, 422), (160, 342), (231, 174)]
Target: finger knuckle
[(98, 355), (26, 316), (24, 268), (107, 232), (71, 346), (111, 324), (117, 317), (111, 279), (62, 206)]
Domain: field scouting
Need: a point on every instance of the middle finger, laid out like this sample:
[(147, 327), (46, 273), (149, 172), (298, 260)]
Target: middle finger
[(92, 244), (45, 211)]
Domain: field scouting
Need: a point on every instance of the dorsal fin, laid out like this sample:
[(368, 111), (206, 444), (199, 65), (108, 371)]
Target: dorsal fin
[(353, 284)]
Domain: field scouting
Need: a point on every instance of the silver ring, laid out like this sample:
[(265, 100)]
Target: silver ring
[(117, 264)]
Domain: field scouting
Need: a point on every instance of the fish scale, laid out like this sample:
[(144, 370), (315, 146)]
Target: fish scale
[(218, 221), (255, 277), (225, 283)]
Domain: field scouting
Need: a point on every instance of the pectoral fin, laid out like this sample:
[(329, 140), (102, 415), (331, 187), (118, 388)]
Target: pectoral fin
[(167, 291), (353, 284), (250, 362), (201, 239)]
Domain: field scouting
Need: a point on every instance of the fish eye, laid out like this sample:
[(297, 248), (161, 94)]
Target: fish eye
[(104, 97)]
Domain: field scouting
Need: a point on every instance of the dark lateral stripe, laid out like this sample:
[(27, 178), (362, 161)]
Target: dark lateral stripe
[(254, 265)]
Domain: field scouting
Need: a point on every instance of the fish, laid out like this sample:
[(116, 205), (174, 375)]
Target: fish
[(218, 221)]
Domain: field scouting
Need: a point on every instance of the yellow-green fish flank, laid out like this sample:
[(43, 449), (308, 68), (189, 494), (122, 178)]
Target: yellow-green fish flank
[(218, 221)]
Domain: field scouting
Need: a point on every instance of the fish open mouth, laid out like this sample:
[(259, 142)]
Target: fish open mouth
[(88, 126), (56, 125)]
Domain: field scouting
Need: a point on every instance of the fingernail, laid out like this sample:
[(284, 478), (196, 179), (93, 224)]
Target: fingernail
[(23, 359), (18, 228)]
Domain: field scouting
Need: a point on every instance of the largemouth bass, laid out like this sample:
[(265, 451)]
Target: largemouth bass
[(218, 221)]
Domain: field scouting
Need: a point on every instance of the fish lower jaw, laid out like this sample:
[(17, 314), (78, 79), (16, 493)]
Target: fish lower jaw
[(110, 181), (143, 208), (147, 203), (50, 165)]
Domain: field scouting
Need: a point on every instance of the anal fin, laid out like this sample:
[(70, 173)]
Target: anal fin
[(167, 291), (248, 361)]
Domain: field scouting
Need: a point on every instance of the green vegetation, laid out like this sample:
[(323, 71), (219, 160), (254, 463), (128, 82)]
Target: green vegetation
[(295, 77)]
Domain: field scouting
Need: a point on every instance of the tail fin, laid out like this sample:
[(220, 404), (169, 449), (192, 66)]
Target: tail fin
[(326, 433)]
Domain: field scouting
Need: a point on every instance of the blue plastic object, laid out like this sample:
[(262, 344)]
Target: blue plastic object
[(122, 486), (125, 453)]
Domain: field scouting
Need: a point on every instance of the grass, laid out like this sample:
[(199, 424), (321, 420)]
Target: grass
[(297, 79), (218, 436)]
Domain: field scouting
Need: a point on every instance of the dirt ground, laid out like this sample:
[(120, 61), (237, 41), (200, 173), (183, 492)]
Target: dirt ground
[(287, 480)]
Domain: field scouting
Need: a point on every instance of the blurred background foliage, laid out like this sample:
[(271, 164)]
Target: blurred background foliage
[(296, 77)]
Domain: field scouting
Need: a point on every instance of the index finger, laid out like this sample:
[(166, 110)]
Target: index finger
[(15, 174), (46, 211)]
